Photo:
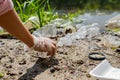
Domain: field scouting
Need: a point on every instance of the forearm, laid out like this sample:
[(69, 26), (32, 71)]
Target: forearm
[(11, 23)]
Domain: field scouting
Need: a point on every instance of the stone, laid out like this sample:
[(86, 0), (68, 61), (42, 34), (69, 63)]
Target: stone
[(46, 31), (87, 31), (113, 40), (113, 22), (70, 29), (52, 69), (12, 72), (32, 22)]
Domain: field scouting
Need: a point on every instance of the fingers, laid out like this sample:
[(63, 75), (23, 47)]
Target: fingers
[(53, 42), (52, 51), (51, 47), (46, 45)]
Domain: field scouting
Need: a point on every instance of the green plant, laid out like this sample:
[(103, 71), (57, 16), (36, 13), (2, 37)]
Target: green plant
[(1, 75), (75, 14), (40, 8), (45, 13)]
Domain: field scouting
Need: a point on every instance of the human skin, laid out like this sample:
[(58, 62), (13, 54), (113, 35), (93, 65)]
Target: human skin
[(10, 21)]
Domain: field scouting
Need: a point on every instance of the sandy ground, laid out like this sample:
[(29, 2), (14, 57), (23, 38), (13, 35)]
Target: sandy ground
[(70, 63)]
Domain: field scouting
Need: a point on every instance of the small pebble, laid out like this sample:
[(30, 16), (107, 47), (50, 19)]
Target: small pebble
[(20, 73), (8, 66), (53, 75), (88, 75), (97, 40), (61, 52), (12, 72), (117, 50), (52, 69), (11, 48), (23, 62), (2, 43), (80, 62), (72, 71)]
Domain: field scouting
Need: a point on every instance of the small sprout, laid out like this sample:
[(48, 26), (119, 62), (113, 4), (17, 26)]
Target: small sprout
[(1, 75)]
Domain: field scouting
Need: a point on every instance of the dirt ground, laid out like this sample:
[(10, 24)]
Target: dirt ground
[(70, 63)]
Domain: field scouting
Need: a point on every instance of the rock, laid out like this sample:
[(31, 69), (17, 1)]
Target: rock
[(66, 23), (113, 22), (67, 41), (2, 56), (78, 26), (8, 66), (60, 31), (23, 62), (72, 71), (46, 31), (97, 40), (77, 20), (12, 72), (80, 62), (5, 35), (52, 69), (117, 50), (28, 25), (57, 22), (20, 73), (88, 75), (113, 40), (55, 28), (70, 29), (94, 47), (60, 23), (32, 22), (11, 48), (87, 31)]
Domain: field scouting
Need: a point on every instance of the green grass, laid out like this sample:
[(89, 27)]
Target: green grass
[(40, 8)]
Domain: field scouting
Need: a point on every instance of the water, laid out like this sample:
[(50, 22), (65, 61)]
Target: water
[(97, 17), (93, 23)]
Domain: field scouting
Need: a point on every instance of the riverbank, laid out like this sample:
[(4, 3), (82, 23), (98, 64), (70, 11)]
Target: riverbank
[(70, 63)]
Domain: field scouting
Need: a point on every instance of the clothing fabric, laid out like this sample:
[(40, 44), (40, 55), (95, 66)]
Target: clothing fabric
[(5, 6)]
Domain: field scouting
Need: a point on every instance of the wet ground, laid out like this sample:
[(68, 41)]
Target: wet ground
[(70, 62)]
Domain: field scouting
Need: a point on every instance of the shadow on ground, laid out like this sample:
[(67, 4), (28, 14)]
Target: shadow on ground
[(40, 66)]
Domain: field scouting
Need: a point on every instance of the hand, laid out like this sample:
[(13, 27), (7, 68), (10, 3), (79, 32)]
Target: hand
[(43, 44)]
